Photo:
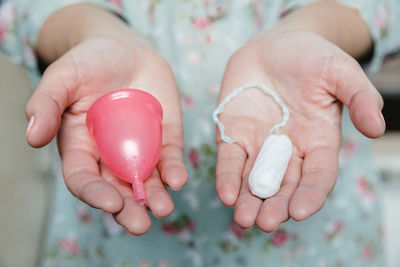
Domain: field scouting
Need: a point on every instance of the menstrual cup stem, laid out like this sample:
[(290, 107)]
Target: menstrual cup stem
[(138, 191)]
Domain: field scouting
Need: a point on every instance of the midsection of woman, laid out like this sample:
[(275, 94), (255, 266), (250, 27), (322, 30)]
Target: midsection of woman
[(197, 38)]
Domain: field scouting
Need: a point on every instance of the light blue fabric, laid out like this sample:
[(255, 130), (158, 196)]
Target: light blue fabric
[(197, 38)]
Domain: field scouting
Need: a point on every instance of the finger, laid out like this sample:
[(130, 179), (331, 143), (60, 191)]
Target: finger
[(319, 176), (158, 199), (133, 217), (247, 205), (44, 109), (171, 164), (275, 210), (356, 91), (82, 178), (230, 163)]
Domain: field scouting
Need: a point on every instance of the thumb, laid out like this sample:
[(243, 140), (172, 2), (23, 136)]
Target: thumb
[(48, 102), (355, 90)]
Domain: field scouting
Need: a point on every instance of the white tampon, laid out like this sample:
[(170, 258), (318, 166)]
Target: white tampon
[(270, 166), (272, 161)]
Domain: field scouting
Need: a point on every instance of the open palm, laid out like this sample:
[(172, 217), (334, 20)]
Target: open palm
[(313, 77), (68, 88)]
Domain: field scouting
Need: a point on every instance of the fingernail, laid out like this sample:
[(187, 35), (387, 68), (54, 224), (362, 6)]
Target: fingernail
[(30, 124)]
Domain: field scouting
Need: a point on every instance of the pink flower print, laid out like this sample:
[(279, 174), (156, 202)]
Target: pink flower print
[(28, 50), (191, 226), (188, 102), (215, 11), (84, 215), (382, 17), (7, 20), (368, 194), (237, 230), (214, 88), (279, 238), (201, 23), (184, 235), (367, 252), (362, 184), (144, 264), (150, 10), (207, 2), (69, 245), (164, 264), (178, 225), (339, 226), (193, 57), (333, 229), (258, 12), (349, 148), (209, 39), (116, 3), (194, 157), (3, 32), (169, 229)]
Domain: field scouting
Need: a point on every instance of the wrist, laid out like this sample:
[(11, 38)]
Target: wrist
[(74, 24), (334, 22)]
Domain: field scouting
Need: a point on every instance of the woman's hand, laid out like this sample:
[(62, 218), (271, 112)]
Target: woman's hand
[(313, 77), (69, 86)]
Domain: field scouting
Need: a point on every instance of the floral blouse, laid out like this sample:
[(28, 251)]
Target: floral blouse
[(195, 38)]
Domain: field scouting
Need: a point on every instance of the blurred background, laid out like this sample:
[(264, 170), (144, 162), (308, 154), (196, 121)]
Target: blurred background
[(25, 182)]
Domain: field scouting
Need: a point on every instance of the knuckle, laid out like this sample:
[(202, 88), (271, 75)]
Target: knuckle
[(349, 63)]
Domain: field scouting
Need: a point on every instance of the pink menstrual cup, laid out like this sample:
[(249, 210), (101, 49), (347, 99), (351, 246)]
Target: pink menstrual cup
[(126, 126)]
